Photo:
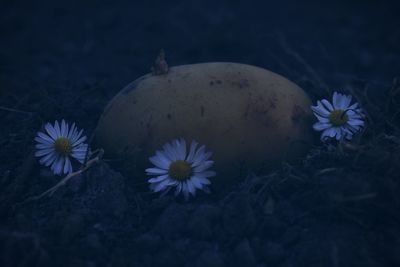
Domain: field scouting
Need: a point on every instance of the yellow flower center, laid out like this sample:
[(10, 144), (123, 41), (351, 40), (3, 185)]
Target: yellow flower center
[(180, 170), (63, 146), (338, 117)]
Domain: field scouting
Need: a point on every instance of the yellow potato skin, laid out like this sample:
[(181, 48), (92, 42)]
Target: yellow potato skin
[(243, 114)]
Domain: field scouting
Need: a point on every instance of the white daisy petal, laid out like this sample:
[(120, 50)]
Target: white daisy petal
[(80, 152), (155, 171), (76, 137), (57, 128), (327, 105), (43, 142), (346, 100), (336, 100), (350, 113), (81, 148), (181, 149), (321, 109), (199, 154), (79, 141), (320, 126), (356, 122), (67, 166), (63, 128), (326, 134), (172, 182), (48, 159), (44, 138), (334, 131), (174, 148), (44, 146), (161, 185), (177, 147), (170, 152), (178, 189), (66, 130), (197, 182), (43, 152), (192, 151), (354, 116), (203, 180), (185, 190), (58, 165), (163, 158), (72, 131), (201, 158), (191, 188), (360, 112), (204, 166), (207, 155), (51, 131), (320, 118), (355, 128), (339, 134), (354, 106), (348, 134), (158, 178), (160, 161)]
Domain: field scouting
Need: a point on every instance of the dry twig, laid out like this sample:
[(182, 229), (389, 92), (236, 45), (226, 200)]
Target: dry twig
[(52, 190)]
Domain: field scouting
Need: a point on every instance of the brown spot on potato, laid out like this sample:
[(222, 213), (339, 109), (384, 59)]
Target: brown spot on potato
[(242, 83), (260, 112), (214, 81)]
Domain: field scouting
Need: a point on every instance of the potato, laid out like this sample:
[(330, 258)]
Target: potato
[(247, 116)]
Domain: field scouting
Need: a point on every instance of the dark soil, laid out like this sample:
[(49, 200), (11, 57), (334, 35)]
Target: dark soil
[(338, 207)]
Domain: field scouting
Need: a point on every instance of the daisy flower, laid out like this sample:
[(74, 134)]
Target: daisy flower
[(174, 167), (338, 119), (57, 144)]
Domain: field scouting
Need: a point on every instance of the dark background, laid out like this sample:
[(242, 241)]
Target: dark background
[(66, 59)]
